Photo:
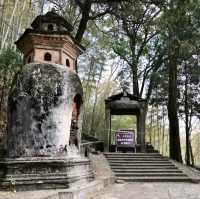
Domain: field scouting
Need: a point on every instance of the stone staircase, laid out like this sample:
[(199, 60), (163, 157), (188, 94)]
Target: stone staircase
[(144, 167)]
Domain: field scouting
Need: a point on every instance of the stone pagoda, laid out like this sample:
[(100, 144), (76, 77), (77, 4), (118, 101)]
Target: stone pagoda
[(45, 111), (50, 41)]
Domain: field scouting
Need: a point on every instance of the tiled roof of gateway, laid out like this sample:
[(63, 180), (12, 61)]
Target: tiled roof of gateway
[(124, 94)]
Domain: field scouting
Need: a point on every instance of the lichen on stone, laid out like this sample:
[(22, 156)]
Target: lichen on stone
[(40, 110)]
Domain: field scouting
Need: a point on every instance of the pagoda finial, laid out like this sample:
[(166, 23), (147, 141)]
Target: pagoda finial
[(53, 10)]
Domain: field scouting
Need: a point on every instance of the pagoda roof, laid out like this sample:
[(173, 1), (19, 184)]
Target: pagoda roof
[(51, 17), (63, 33)]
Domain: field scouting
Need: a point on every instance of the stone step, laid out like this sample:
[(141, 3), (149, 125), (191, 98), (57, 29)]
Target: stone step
[(156, 164), (136, 160), (140, 162), (155, 179), (146, 167), (132, 170), (132, 154), (136, 157), (149, 174), (130, 157)]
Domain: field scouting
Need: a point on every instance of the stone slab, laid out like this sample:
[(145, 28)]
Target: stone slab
[(25, 174), (192, 173), (86, 191), (152, 191), (103, 175), (102, 168)]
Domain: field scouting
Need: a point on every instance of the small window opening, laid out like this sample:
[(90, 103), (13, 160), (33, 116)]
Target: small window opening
[(47, 57), (50, 27), (29, 59), (67, 63)]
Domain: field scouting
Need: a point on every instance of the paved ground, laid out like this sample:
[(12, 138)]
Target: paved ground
[(152, 191), (123, 191)]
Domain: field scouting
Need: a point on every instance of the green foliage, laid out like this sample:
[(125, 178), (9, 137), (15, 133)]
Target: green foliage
[(94, 119), (10, 61), (12, 182), (123, 122), (121, 47)]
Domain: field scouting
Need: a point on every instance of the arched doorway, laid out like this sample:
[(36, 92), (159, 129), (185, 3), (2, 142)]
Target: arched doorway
[(77, 103)]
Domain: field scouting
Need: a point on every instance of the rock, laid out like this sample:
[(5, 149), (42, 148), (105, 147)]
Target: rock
[(120, 181)]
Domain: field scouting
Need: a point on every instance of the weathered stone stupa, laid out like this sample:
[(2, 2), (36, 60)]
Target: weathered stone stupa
[(45, 111)]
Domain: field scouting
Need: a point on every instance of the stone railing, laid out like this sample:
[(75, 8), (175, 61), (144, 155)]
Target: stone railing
[(91, 147)]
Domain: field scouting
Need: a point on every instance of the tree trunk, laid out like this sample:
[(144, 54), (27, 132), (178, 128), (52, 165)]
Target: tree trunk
[(20, 20), (41, 6), (163, 129), (191, 154), (134, 67), (187, 128), (154, 132), (167, 144), (174, 139), (2, 97), (84, 20), (151, 127), (92, 128), (9, 25), (135, 81), (83, 24), (1, 21), (87, 92)]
